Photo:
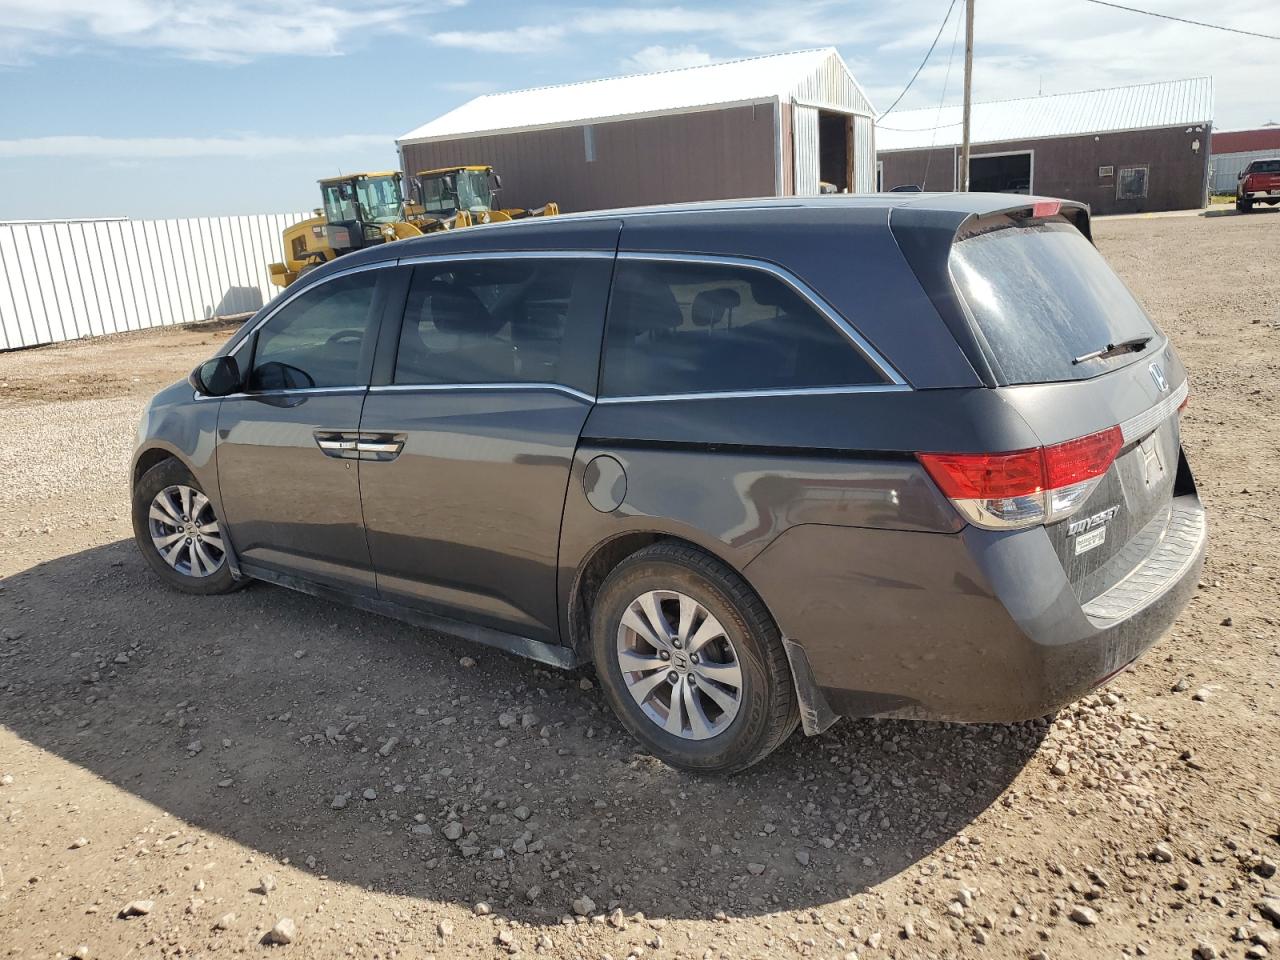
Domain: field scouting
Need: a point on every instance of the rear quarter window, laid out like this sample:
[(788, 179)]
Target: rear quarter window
[(1040, 295), (685, 328)]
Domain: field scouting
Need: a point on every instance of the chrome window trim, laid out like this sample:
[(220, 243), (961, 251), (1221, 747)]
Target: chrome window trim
[(524, 385), (806, 292), (507, 255), (747, 394), (287, 298), (280, 392), (1135, 428)]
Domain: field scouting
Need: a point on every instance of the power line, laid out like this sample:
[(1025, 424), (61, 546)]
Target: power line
[(946, 81), (928, 53), (1194, 23)]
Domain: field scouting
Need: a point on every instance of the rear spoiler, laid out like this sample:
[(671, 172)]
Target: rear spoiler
[(925, 235)]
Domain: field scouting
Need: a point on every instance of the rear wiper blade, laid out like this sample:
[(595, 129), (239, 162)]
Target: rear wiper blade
[(1132, 345)]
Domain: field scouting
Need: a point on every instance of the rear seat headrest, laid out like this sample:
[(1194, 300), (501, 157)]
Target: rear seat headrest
[(711, 306), (458, 310)]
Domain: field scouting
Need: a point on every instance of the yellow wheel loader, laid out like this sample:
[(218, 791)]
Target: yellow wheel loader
[(363, 209), (451, 197), (360, 210)]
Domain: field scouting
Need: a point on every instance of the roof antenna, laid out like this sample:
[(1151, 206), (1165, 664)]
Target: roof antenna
[(1040, 92)]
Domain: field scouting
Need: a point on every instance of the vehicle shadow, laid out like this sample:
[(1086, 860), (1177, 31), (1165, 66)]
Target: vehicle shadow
[(1233, 212), (290, 699)]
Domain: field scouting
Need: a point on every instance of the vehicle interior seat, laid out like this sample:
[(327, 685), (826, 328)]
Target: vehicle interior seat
[(455, 339)]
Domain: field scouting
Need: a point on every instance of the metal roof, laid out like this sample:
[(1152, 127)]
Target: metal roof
[(1169, 103), (800, 75)]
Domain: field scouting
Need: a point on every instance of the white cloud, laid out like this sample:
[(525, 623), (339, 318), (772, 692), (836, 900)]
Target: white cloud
[(658, 57), (531, 39), (472, 88), (234, 30), (166, 148), (1022, 49)]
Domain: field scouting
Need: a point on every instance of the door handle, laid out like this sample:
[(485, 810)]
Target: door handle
[(340, 445), (380, 446), (360, 446)]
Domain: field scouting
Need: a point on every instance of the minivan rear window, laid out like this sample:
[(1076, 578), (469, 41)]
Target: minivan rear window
[(1042, 296)]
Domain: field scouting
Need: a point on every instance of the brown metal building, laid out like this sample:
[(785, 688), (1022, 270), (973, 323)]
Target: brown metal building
[(1120, 150), (763, 126)]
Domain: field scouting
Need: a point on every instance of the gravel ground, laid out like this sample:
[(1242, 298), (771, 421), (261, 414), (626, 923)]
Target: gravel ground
[(183, 776)]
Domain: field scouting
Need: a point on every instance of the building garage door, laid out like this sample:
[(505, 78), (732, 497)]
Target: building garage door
[(1000, 173)]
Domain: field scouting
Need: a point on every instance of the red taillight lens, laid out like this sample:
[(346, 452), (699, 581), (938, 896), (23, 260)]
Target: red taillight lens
[(1185, 400), (1046, 208), (974, 476), (1003, 490), (1082, 459)]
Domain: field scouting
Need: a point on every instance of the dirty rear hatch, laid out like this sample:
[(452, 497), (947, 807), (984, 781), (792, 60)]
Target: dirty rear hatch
[(1075, 354)]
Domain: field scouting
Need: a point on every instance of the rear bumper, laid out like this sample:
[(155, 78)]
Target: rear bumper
[(1260, 195), (978, 626)]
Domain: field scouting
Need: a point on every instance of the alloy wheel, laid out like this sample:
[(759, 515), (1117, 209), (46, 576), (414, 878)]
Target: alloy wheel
[(679, 664), (185, 531)]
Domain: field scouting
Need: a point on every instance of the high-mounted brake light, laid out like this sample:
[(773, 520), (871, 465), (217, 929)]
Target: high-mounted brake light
[(999, 491), (1046, 208)]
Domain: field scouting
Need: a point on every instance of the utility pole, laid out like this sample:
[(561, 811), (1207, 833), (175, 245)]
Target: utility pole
[(968, 93)]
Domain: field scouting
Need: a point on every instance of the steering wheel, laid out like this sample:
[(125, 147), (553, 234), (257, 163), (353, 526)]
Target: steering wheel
[(353, 336)]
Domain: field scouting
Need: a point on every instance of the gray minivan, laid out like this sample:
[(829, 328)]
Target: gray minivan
[(762, 463)]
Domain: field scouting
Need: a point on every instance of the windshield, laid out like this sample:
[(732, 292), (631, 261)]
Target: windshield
[(473, 190), (339, 202), (469, 190), (379, 199), (1041, 296)]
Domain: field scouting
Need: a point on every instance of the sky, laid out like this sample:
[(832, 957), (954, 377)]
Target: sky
[(167, 108)]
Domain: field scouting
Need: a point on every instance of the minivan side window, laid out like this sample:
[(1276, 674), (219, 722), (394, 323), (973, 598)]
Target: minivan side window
[(681, 328), (516, 320), (316, 340)]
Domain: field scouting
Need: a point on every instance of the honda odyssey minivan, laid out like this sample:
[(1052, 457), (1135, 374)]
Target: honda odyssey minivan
[(762, 463)]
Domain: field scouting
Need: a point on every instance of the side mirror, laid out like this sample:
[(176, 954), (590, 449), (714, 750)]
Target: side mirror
[(217, 377), (497, 182)]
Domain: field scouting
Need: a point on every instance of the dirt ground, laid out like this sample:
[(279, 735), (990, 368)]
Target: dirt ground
[(223, 760)]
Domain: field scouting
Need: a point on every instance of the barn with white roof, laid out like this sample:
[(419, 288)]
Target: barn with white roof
[(781, 125), (1120, 149)]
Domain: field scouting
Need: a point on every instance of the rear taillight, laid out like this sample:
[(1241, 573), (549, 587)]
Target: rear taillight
[(998, 491)]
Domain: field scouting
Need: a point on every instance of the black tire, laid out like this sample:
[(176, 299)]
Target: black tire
[(768, 713), (1244, 206), (171, 473)]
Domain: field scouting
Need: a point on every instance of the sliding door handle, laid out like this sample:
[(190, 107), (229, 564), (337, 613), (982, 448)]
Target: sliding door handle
[(380, 446), (359, 446)]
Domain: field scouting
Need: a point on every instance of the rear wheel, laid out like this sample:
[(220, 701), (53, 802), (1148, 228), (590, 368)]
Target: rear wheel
[(691, 661), (1244, 206), (178, 532)]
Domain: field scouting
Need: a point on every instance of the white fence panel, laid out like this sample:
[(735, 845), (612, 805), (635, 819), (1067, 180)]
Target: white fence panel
[(60, 280)]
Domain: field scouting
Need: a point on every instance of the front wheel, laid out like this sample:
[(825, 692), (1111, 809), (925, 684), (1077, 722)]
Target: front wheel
[(178, 532), (691, 661)]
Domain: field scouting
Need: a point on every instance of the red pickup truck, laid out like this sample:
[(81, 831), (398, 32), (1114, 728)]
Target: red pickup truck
[(1259, 183)]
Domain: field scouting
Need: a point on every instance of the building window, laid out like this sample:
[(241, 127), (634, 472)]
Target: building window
[(589, 143), (1107, 171), (1132, 183)]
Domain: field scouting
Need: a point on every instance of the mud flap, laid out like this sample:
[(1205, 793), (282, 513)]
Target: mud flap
[(815, 713)]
